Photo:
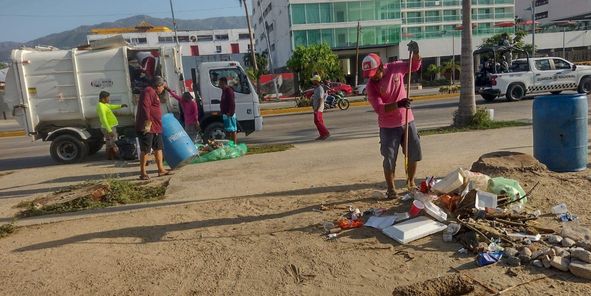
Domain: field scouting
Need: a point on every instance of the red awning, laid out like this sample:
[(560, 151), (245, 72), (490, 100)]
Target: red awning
[(505, 24)]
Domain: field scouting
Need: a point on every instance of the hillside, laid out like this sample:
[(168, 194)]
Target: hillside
[(77, 36)]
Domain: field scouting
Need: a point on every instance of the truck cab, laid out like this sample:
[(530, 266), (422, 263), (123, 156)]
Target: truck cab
[(206, 86)]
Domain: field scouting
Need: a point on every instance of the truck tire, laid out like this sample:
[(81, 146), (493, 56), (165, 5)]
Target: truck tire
[(515, 92), (95, 146), (585, 85), (215, 130), (488, 97), (556, 92), (68, 149)]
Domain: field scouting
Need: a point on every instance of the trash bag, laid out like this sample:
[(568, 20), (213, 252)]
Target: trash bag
[(508, 187), (127, 148), (228, 151), (480, 180)]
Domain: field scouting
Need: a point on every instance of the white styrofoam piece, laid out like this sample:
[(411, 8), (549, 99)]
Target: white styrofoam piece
[(435, 212), (451, 182), (413, 229), (485, 200), (380, 222)]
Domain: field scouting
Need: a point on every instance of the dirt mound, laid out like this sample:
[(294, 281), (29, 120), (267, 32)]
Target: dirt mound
[(505, 162), (442, 286)]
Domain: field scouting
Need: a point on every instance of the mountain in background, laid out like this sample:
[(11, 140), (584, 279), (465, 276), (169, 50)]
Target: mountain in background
[(77, 36)]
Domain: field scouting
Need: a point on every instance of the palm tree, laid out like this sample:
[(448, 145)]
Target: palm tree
[(243, 2), (467, 106)]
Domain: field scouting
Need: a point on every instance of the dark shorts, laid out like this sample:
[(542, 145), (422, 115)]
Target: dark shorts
[(392, 138), (150, 141)]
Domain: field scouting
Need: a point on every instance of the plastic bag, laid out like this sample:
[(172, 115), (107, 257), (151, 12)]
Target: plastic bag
[(228, 151), (508, 187), (480, 180)]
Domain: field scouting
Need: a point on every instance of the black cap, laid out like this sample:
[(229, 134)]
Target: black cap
[(104, 94)]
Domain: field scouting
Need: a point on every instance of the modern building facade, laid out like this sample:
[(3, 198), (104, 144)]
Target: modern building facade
[(205, 45), (386, 26), (547, 11)]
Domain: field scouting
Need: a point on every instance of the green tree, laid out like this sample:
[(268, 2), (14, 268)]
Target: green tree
[(3, 65), (432, 70), (254, 74), (467, 105), (317, 58), (517, 41), (448, 67)]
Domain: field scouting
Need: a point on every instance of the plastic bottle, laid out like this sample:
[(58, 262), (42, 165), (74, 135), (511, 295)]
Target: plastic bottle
[(559, 209)]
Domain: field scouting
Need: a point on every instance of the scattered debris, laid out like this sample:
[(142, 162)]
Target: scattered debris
[(297, 275), (449, 285), (7, 229)]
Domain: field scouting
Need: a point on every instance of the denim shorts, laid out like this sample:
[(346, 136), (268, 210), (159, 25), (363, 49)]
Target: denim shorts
[(392, 138), (230, 123)]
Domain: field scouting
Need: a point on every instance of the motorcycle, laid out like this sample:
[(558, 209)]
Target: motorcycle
[(335, 99)]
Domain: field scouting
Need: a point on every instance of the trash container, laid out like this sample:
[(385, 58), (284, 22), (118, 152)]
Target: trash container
[(179, 149), (560, 131)]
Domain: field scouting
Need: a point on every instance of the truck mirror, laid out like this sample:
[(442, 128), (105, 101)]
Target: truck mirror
[(574, 67)]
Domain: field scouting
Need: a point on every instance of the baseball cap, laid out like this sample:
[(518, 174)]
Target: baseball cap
[(316, 78), (103, 94), (370, 65)]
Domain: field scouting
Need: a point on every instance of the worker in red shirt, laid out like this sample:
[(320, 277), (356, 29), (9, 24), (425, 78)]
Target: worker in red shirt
[(148, 124), (228, 109)]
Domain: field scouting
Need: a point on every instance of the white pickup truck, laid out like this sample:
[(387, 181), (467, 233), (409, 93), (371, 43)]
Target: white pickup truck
[(534, 75)]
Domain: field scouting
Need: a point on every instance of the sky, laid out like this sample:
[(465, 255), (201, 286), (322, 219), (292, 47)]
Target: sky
[(25, 20)]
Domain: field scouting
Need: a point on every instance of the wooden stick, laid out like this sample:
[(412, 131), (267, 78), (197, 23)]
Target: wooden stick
[(491, 290), (520, 284), (406, 153), (526, 195)]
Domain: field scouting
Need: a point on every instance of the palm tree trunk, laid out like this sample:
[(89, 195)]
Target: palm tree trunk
[(467, 106), (252, 52)]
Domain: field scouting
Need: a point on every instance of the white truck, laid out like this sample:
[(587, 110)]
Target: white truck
[(54, 93), (531, 76)]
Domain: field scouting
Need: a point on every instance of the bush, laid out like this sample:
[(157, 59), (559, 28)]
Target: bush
[(303, 102), (436, 82), (449, 89), (481, 119)]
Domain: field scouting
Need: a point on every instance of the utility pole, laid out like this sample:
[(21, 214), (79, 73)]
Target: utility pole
[(533, 25), (453, 57), (176, 38), (252, 54), (357, 55)]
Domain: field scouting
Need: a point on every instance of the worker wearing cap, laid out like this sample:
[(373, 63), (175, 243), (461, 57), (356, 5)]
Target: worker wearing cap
[(109, 123), (387, 96), (318, 98)]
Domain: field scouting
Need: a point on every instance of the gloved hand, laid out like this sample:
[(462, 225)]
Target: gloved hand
[(413, 47), (123, 105), (404, 103)]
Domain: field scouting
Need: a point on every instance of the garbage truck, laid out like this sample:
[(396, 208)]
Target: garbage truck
[(53, 93)]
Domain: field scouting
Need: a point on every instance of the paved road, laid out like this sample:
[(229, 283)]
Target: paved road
[(357, 122)]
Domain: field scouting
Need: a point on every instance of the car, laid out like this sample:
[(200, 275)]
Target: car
[(360, 90), (341, 87)]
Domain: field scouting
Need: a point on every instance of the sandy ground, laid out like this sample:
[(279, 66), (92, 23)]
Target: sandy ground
[(265, 244)]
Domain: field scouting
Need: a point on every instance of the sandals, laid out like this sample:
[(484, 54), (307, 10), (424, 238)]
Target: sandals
[(144, 177), (391, 194), (168, 173)]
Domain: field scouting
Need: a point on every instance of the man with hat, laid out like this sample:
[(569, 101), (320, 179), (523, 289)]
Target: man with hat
[(387, 96), (318, 107), (109, 123)]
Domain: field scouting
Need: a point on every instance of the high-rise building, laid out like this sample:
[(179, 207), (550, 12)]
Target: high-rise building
[(547, 11), (386, 26)]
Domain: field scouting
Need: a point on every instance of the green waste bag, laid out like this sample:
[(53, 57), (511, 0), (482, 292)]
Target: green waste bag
[(229, 151), (508, 187)]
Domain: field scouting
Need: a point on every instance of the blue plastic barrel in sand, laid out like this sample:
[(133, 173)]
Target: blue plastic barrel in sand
[(560, 131), (179, 149)]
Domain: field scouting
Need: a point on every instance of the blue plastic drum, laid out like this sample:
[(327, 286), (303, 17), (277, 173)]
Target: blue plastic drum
[(179, 149), (560, 124)]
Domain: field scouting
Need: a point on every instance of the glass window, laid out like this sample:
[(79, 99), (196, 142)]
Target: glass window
[(204, 37), (340, 12), (222, 37), (354, 9), (388, 9), (312, 15), (341, 37), (543, 65), (328, 37), (368, 36), (352, 32), (236, 79), (298, 13), (368, 10), (325, 10), (314, 37), (560, 64), (299, 38)]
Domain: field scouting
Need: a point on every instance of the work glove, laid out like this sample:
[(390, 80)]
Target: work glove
[(404, 103), (123, 105), (413, 47)]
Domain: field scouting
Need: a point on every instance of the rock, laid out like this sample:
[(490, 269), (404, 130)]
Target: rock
[(580, 269), (525, 252), (558, 250), (538, 263), (568, 242), (551, 253), (565, 254), (582, 255), (554, 239), (538, 253), (560, 263), (512, 261), (510, 252), (546, 261), (584, 244), (524, 259)]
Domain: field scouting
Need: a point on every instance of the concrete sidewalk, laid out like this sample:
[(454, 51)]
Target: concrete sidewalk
[(309, 168)]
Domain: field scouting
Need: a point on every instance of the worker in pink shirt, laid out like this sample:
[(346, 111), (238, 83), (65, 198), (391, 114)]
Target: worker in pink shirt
[(190, 113), (387, 96)]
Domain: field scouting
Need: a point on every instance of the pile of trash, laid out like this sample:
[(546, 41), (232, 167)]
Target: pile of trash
[(487, 216), (214, 150)]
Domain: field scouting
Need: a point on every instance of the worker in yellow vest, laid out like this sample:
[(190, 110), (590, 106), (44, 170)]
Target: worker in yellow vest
[(109, 123)]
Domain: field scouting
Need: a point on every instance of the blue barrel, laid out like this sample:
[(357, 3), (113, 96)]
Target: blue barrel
[(560, 131), (179, 149)]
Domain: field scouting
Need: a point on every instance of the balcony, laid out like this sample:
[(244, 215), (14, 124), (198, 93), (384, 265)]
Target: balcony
[(485, 16), (506, 15), (433, 19), (504, 1), (451, 18)]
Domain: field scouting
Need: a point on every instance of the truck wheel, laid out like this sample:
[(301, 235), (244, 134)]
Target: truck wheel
[(515, 92), (68, 149), (95, 146), (556, 92), (585, 85), (488, 97), (215, 131)]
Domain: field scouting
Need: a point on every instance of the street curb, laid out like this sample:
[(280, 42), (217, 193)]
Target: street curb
[(6, 134), (295, 110)]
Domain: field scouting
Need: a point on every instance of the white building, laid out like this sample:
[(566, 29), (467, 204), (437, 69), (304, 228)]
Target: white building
[(553, 10), (386, 26), (211, 45)]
